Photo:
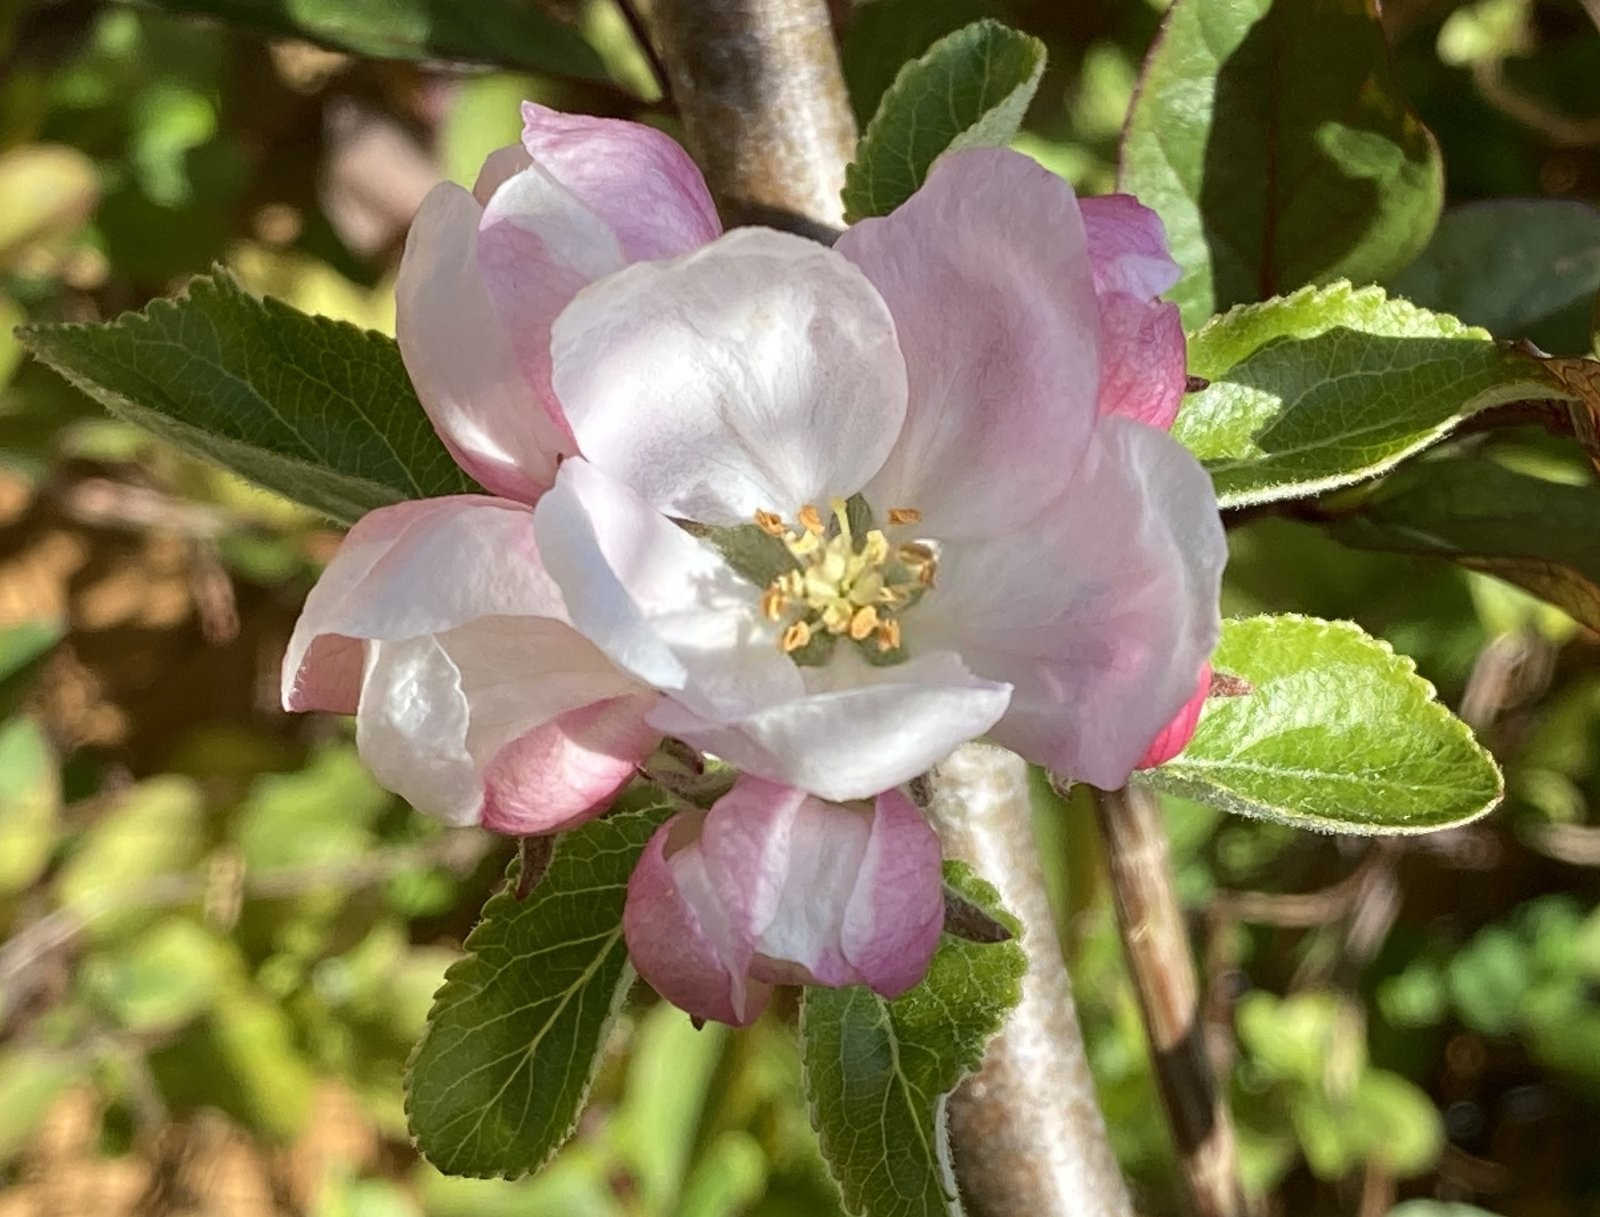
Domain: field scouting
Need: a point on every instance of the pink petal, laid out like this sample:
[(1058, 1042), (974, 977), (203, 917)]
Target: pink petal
[(1175, 736), (856, 729), (568, 769), (986, 271), (896, 912), (1142, 355), (1143, 360), (635, 178), (460, 358), (760, 373), (773, 886), (414, 568), (679, 932), (1128, 246), (1099, 612)]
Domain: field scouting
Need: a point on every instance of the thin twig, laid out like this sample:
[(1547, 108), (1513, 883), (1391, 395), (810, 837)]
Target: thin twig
[(1156, 943)]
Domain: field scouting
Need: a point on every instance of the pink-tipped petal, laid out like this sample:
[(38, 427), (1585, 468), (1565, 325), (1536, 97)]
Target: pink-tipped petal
[(1175, 736), (568, 769), (759, 373), (774, 886), (1142, 352), (415, 568), (987, 274), (635, 178), (680, 934), (1099, 612), (460, 357), (896, 912)]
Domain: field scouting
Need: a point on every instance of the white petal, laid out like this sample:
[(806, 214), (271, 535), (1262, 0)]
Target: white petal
[(461, 359), (1100, 612), (663, 605), (759, 373), (860, 731), (411, 729)]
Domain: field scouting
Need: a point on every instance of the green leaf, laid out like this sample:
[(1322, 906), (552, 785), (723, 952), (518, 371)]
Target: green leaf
[(1331, 385), (30, 1080), (23, 650), (1543, 536), (877, 1072), (166, 976), (157, 827), (970, 90), (30, 803), (1521, 268), (515, 1034), (315, 409), (1272, 139), (512, 33), (1338, 734)]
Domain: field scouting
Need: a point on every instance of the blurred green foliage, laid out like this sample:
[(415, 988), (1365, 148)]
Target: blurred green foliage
[(210, 908)]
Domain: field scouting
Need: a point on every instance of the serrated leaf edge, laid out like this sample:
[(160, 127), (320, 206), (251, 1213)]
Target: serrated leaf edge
[(1339, 293), (625, 982), (1406, 668)]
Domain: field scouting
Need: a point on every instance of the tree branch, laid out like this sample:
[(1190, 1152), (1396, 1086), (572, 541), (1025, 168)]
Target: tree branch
[(764, 106), (1028, 1135), (1156, 944)]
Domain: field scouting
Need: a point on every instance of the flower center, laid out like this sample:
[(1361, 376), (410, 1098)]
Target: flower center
[(844, 584)]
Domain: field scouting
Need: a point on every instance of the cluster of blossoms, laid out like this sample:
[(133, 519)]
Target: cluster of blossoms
[(824, 513)]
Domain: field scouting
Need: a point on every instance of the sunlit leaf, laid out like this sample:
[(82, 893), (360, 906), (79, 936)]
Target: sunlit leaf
[(30, 802), (1338, 734), (1331, 385), (317, 410)]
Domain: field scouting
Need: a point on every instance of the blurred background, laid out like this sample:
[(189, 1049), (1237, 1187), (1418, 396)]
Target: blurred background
[(218, 937)]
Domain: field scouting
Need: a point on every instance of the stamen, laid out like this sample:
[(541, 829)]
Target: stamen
[(795, 637), (842, 584)]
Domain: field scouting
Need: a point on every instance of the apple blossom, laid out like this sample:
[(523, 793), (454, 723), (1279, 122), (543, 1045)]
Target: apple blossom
[(773, 886), (927, 426)]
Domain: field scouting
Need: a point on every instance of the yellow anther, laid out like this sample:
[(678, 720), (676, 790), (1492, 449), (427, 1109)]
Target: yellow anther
[(836, 616), (795, 637), (875, 548), (805, 543), (889, 634), (843, 584)]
